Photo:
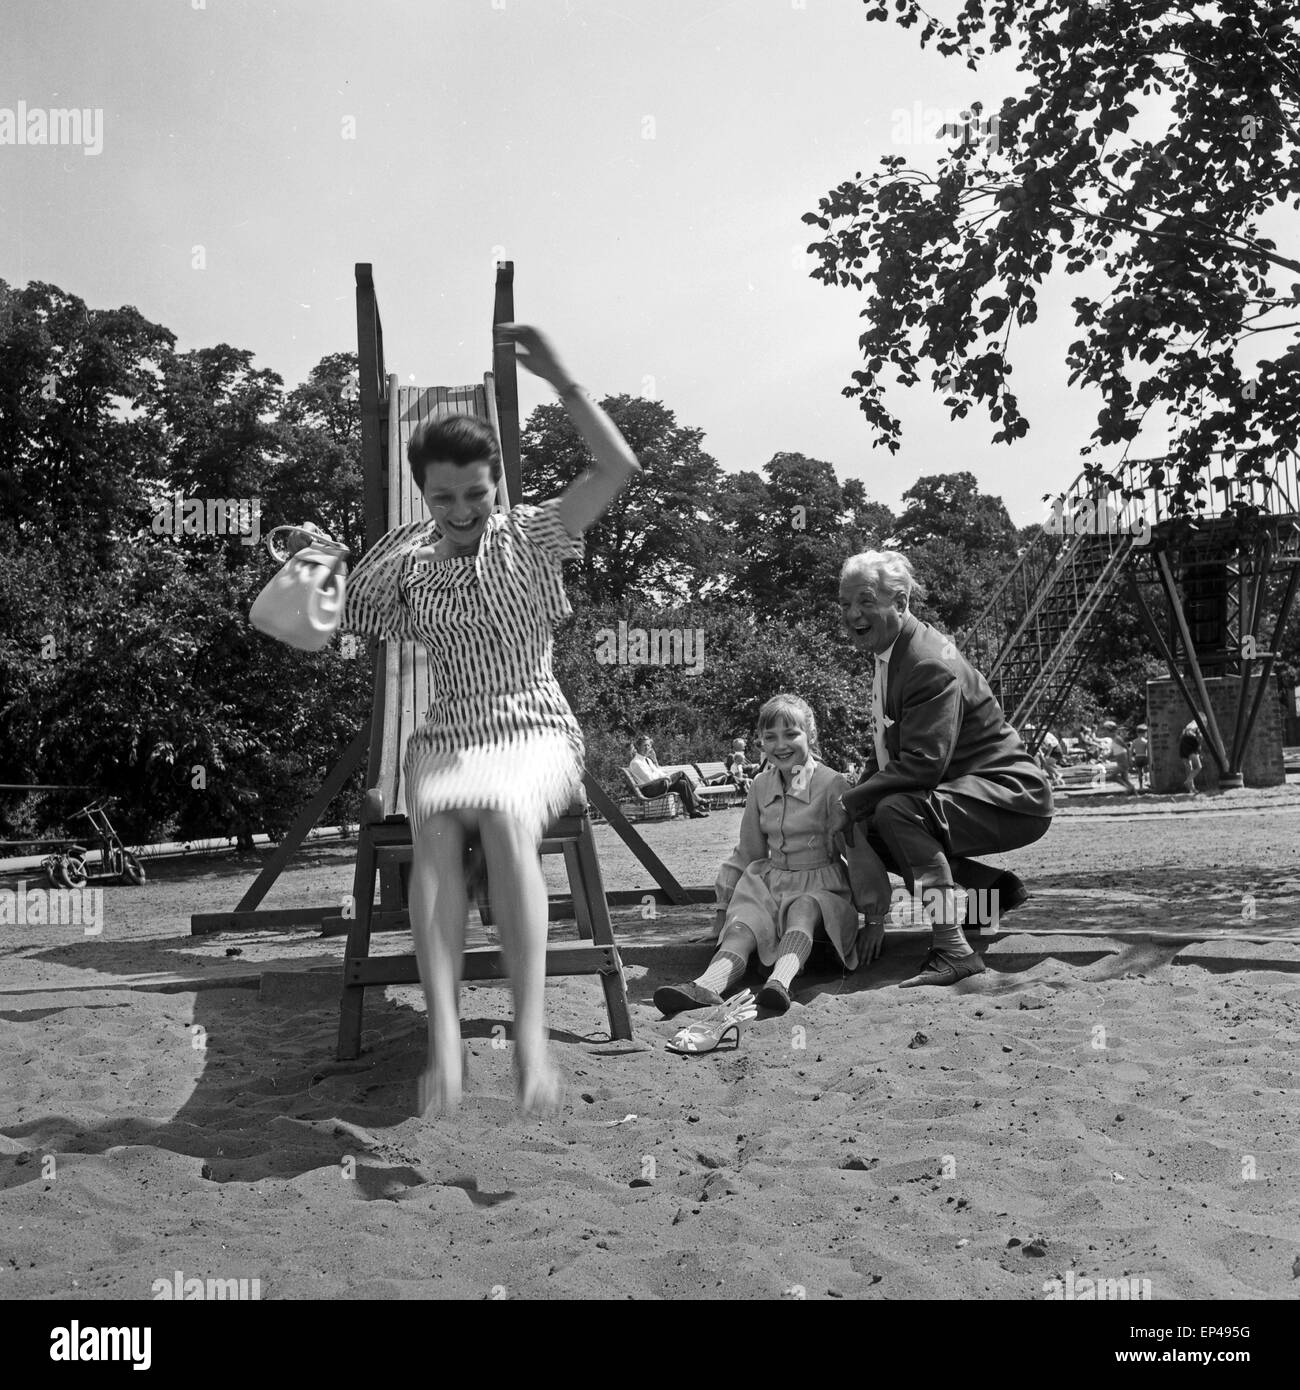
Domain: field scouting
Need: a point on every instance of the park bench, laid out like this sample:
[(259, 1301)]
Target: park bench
[(716, 786), (638, 807)]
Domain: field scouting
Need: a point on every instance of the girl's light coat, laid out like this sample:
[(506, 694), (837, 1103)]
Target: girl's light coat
[(791, 846)]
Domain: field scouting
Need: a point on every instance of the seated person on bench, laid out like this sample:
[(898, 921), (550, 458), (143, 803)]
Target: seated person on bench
[(651, 780)]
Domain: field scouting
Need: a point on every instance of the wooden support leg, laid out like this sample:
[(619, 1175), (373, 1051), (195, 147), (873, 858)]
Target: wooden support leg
[(579, 888), (588, 888), (619, 824), (620, 1019), (310, 814), (352, 998)]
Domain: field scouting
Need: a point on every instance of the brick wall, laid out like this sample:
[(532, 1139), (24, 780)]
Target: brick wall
[(1168, 713)]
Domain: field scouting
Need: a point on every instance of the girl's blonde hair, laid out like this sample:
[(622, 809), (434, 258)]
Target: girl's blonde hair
[(789, 709)]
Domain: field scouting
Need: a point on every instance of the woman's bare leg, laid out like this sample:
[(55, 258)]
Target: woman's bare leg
[(518, 893), (438, 909)]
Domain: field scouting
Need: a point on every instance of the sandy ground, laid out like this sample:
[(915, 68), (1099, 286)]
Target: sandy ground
[(1101, 1101)]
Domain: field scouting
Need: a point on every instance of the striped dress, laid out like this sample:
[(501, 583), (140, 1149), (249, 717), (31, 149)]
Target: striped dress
[(499, 734)]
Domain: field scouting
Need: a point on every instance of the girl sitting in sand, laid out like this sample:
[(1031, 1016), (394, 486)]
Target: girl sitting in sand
[(499, 753), (786, 881)]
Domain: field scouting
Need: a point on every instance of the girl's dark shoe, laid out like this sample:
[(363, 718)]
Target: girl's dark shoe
[(774, 996), (676, 999)]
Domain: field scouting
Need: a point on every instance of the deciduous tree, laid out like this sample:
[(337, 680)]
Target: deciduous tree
[(1184, 289)]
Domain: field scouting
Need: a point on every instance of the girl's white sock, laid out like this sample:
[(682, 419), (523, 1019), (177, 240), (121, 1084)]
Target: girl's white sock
[(725, 969), (795, 949)]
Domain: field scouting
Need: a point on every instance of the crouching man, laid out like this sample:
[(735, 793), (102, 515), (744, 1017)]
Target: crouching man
[(946, 778)]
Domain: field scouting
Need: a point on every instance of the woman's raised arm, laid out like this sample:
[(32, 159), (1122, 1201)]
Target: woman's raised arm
[(586, 498)]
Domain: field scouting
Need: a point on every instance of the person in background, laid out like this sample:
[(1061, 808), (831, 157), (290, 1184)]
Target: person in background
[(1141, 751), (1094, 752), (1055, 754), (1189, 750), (1117, 750), (739, 768), (652, 780), (1049, 754)]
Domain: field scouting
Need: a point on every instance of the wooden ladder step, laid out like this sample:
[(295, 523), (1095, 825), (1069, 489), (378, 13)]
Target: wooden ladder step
[(485, 963)]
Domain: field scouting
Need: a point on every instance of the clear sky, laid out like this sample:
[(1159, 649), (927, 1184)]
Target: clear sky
[(644, 163)]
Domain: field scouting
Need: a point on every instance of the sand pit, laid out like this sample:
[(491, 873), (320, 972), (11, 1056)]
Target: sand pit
[(1108, 1107)]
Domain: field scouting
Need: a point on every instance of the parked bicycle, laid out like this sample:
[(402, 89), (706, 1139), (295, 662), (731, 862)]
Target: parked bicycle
[(68, 868)]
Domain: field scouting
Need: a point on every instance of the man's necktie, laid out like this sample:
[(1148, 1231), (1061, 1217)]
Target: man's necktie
[(878, 714)]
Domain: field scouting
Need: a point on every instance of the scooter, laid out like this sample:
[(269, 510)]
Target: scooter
[(68, 868)]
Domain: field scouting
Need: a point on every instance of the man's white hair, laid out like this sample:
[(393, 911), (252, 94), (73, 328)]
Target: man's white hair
[(889, 572)]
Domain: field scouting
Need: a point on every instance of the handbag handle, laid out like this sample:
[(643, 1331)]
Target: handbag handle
[(309, 537)]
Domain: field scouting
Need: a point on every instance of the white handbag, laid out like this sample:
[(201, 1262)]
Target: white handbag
[(303, 604)]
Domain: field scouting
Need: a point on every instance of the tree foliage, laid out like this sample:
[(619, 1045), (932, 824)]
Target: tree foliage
[(950, 506), (660, 538), (127, 661), (694, 710), (126, 658), (792, 531), (1170, 232)]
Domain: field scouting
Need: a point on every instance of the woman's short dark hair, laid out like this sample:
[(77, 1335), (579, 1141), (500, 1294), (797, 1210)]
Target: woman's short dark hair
[(458, 439)]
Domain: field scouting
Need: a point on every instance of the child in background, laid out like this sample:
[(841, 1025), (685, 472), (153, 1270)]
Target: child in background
[(740, 769), (1118, 750), (1050, 757), (1095, 751), (1189, 750), (1141, 751), (786, 881)]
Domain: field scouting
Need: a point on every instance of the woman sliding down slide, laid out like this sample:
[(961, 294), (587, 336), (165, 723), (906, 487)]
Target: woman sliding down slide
[(500, 752)]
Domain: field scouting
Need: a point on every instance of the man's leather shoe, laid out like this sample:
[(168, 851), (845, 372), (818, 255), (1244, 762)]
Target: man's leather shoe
[(1011, 894), (944, 968)]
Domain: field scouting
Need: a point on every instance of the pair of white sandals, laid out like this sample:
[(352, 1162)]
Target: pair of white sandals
[(711, 1027)]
